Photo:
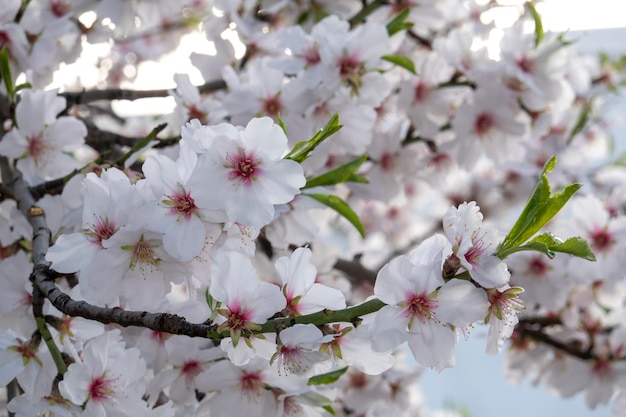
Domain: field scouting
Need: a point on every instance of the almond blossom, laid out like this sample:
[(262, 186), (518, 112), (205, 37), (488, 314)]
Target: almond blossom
[(423, 309), (474, 245), (245, 301), (108, 379), (244, 174), (303, 294), (40, 142)]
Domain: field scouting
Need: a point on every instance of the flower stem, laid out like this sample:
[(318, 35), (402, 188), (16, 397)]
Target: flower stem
[(52, 347)]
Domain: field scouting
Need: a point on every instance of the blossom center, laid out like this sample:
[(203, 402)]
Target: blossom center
[(36, 147), (421, 92), (602, 369), (525, 64), (190, 369), (537, 267), (101, 389), (420, 306), (100, 230), (59, 8), (272, 106), (244, 168), (196, 113), (348, 66), (484, 123), (312, 56), (478, 249), (387, 162), (601, 240), (143, 253), (181, 204), (251, 383)]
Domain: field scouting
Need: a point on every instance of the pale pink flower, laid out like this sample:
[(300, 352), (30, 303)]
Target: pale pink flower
[(298, 351), (190, 361), (109, 379), (475, 245), (244, 174), (191, 105), (303, 294), (491, 124), (185, 226), (245, 301), (41, 142), (421, 308), (27, 360), (239, 391), (429, 106)]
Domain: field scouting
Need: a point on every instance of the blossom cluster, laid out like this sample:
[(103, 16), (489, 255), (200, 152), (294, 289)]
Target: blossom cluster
[(309, 254)]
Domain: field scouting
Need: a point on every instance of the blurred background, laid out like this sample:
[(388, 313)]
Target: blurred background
[(477, 385)]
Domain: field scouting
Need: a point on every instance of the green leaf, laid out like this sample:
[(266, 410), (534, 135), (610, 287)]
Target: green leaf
[(548, 244), (399, 23), (302, 150), (583, 117), (400, 61), (5, 73), (327, 378), (343, 173), (281, 124), (357, 178), (340, 207), (330, 410), (540, 209), (538, 25)]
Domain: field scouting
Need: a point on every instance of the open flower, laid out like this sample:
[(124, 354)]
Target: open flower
[(244, 175), (475, 245), (246, 302), (421, 308), (41, 142)]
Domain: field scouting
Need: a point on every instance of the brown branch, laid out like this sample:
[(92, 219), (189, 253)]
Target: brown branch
[(427, 43), (356, 272), (42, 278), (102, 140), (540, 336), (88, 96)]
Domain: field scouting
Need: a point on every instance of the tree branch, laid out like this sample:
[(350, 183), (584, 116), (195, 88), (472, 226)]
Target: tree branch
[(356, 272), (42, 278), (88, 96)]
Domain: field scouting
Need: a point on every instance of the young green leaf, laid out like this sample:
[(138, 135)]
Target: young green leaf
[(582, 120), (5, 73), (538, 25), (302, 150), (340, 207), (343, 173), (548, 244), (281, 123), (327, 378), (399, 23), (540, 209), (400, 61)]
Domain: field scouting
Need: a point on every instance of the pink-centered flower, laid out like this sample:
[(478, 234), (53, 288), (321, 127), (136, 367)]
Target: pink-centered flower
[(303, 294), (245, 301), (474, 245), (421, 308), (108, 379), (40, 142), (186, 228), (244, 175)]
